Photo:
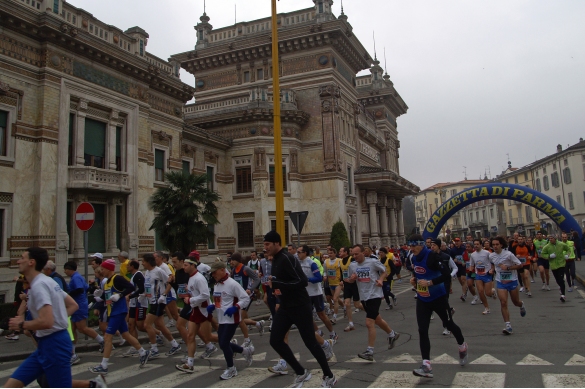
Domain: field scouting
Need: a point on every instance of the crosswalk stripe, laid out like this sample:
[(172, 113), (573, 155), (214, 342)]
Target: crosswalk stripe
[(445, 359), (245, 378), (359, 360), (533, 360), (257, 357), (487, 359), (479, 380), (75, 369), (176, 378), (576, 360), (317, 378), (122, 374), (297, 356), (402, 358), (332, 360), (563, 380), (396, 379)]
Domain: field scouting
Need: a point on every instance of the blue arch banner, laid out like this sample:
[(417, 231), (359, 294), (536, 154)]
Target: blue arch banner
[(534, 198)]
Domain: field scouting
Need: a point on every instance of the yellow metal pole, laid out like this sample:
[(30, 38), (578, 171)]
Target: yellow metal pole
[(278, 187)]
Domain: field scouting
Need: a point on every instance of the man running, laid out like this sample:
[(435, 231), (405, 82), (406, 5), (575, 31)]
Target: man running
[(447, 263), (115, 291), (522, 252), (481, 266), (457, 254), (429, 279), (469, 275), (137, 303), (543, 266), (288, 282), (505, 264), (179, 284), (350, 290), (333, 277), (368, 274), (555, 253), (389, 280), (570, 262)]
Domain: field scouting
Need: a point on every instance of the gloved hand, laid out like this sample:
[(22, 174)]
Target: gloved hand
[(552, 256), (566, 256), (210, 308), (98, 300), (115, 297), (230, 311), (98, 292), (162, 299)]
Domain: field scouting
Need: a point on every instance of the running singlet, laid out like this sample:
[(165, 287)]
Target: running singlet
[(522, 253), (332, 271), (539, 245), (423, 272), (344, 268)]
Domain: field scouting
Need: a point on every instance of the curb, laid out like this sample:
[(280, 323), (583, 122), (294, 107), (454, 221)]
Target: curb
[(95, 347), (580, 278)]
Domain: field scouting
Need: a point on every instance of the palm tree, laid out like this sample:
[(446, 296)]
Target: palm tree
[(184, 210)]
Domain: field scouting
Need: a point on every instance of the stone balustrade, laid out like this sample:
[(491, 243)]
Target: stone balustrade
[(88, 177)]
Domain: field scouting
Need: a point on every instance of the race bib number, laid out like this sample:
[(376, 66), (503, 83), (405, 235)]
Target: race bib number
[(331, 273), (467, 265), (345, 274), (363, 274), (108, 296), (239, 280), (459, 258), (423, 291), (522, 259), (182, 290), (480, 270), (506, 276), (539, 251), (217, 299), (148, 290)]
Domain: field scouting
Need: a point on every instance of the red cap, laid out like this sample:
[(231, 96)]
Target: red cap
[(456, 240), (109, 264), (194, 254)]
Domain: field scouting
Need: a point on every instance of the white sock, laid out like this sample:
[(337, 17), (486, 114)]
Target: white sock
[(174, 343), (392, 334), (142, 351), (99, 339), (282, 362), (209, 345), (105, 362), (426, 362), (154, 347), (190, 361), (246, 340), (351, 323)]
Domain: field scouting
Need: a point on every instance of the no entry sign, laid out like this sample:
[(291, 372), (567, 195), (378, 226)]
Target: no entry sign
[(84, 216)]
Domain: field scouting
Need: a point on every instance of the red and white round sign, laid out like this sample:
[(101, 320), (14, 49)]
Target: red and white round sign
[(84, 216)]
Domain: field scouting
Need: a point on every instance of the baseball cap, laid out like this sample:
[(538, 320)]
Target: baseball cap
[(97, 255), (456, 240), (216, 266)]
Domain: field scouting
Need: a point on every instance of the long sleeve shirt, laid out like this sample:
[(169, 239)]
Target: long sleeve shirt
[(289, 281), (226, 294)]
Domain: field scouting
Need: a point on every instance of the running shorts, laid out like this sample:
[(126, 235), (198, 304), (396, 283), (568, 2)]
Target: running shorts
[(117, 323), (137, 313), (157, 309), (318, 303), (198, 318), (372, 307), (510, 286)]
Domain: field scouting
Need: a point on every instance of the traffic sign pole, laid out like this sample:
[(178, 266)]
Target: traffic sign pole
[(86, 247), (84, 218)]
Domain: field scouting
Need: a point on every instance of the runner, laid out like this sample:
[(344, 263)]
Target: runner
[(254, 264), (227, 297), (505, 264), (469, 275), (533, 267), (138, 305), (116, 289), (481, 266), (522, 252), (249, 280), (447, 263), (555, 253), (171, 308), (543, 266), (289, 283), (570, 262), (179, 284), (457, 254), (368, 274), (389, 280), (350, 290), (429, 280), (124, 262)]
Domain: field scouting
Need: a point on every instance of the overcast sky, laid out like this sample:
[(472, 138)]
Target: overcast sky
[(481, 78)]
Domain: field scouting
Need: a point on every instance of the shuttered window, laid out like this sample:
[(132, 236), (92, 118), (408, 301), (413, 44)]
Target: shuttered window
[(94, 143), (244, 179), (271, 171), (119, 149), (246, 234), (3, 132), (159, 165)]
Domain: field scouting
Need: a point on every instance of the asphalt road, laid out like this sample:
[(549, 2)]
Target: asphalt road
[(546, 350)]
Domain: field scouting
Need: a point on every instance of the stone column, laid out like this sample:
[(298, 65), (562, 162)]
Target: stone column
[(112, 247), (111, 137), (372, 199), (392, 214), (400, 223), (80, 134), (382, 203)]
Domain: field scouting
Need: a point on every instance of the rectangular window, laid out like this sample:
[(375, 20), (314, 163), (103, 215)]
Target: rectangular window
[(286, 237), (141, 48), (554, 166), (571, 203), (515, 179), (244, 180), (510, 215), (159, 165), (119, 149), (566, 162), (544, 170), (4, 133), (554, 179), (246, 234), (349, 181), (94, 151), (186, 167), (483, 215), (97, 233), (211, 240), (528, 211), (259, 74), (320, 7), (56, 6), (491, 213), (2, 232), (525, 176), (471, 217), (271, 177), (210, 177), (246, 76), (559, 199), (70, 144), (567, 175)]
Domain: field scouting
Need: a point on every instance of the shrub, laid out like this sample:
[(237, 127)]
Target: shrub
[(339, 236)]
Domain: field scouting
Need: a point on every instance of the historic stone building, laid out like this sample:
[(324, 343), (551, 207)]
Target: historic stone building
[(82, 107), (340, 141)]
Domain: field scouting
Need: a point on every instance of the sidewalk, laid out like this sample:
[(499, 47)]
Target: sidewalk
[(17, 350)]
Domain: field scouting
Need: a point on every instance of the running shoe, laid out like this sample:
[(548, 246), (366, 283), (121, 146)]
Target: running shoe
[(563, 298), (446, 331), (229, 373), (293, 327), (532, 281), (522, 310), (508, 330), (452, 311), (423, 371), (569, 289), (160, 341), (392, 340), (12, 337), (548, 288), (75, 359), (356, 310), (102, 346), (258, 302), (99, 369), (173, 350), (132, 352), (144, 358), (201, 344), (394, 300), (328, 349), (463, 355), (100, 381), (368, 355), (543, 287), (153, 354), (170, 323), (301, 379), (122, 342), (494, 293), (528, 294), (521, 289), (475, 300), (349, 328), (249, 355), (463, 297), (320, 332), (333, 320), (486, 311), (328, 382), (389, 307), (260, 325), (208, 352), (185, 367), (334, 337), (247, 343), (279, 368)]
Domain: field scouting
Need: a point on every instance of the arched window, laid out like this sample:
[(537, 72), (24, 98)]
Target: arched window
[(545, 183), (567, 175), (538, 185)]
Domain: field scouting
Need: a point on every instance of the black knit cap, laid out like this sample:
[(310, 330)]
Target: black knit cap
[(273, 237), (438, 242)]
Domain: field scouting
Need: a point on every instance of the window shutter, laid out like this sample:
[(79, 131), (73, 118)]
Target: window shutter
[(159, 159), (95, 138)]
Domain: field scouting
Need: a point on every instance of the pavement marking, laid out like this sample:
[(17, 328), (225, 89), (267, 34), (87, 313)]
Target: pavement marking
[(487, 359), (75, 369), (359, 360), (175, 379), (332, 360), (317, 378), (122, 374), (533, 360), (576, 360), (397, 379), (257, 358), (297, 356), (563, 380), (479, 380), (402, 358), (581, 293), (445, 359), (245, 378)]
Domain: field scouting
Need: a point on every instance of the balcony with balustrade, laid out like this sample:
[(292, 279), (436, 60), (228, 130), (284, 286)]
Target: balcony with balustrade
[(89, 177)]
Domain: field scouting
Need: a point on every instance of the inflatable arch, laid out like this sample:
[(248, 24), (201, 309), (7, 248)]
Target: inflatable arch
[(529, 196)]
